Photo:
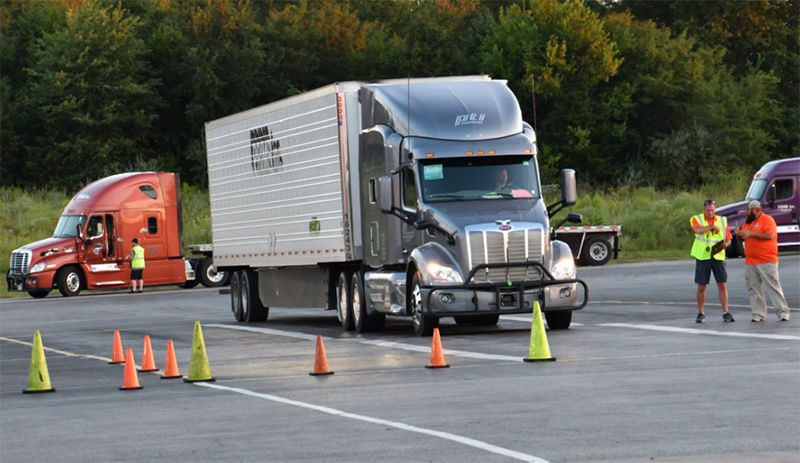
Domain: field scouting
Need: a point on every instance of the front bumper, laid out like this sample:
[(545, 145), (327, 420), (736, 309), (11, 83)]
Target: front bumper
[(511, 297), (29, 282)]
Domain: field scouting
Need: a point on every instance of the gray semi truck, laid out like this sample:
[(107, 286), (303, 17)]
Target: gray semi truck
[(413, 197)]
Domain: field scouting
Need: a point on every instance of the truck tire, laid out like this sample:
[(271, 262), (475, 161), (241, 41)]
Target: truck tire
[(39, 293), (70, 281), (208, 275), (478, 320), (596, 251), (423, 323), (252, 309), (236, 297), (558, 320), (362, 320), (344, 301)]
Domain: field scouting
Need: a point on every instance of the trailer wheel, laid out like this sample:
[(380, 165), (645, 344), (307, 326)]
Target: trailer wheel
[(596, 251), (209, 276), (362, 320), (236, 297), (252, 308), (39, 293), (423, 323), (558, 320), (478, 320), (70, 281), (344, 301)]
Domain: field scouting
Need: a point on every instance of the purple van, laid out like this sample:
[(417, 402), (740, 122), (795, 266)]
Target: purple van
[(777, 186)]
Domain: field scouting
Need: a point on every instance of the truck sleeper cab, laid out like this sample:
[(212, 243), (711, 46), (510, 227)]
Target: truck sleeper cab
[(415, 197), (92, 239)]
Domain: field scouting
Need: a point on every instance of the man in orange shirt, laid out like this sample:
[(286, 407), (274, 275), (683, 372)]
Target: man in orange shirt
[(760, 238)]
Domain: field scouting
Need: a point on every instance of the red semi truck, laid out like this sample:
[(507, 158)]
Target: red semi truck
[(91, 243)]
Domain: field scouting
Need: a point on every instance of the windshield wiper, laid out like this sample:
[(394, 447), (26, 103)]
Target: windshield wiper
[(446, 195), (496, 194)]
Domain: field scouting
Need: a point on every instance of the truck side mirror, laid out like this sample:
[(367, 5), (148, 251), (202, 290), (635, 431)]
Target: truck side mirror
[(569, 191), (79, 232), (386, 200), (574, 218)]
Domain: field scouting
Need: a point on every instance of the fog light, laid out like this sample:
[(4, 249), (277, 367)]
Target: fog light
[(446, 298), (565, 293)]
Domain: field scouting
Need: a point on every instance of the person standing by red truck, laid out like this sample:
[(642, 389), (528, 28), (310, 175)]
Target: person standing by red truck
[(137, 266), (760, 238)]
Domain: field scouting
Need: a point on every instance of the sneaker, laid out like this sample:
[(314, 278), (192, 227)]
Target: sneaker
[(757, 319), (727, 317), (784, 318), (701, 318)]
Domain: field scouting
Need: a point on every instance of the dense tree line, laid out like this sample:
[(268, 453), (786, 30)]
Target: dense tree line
[(667, 93)]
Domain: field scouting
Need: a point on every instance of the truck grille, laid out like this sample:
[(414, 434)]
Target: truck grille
[(496, 247), (19, 262)]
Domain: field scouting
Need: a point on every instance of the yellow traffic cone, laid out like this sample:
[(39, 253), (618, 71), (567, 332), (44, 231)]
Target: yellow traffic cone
[(38, 377), (540, 349), (198, 369)]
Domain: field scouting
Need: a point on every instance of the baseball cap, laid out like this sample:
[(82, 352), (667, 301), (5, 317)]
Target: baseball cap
[(754, 205)]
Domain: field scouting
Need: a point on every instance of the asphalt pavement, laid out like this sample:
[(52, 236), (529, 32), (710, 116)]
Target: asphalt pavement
[(636, 380)]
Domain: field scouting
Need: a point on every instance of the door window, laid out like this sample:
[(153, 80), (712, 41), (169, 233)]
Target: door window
[(784, 189), (95, 227), (152, 225), (112, 236)]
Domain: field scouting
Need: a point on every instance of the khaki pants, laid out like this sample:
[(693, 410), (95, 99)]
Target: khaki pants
[(761, 278)]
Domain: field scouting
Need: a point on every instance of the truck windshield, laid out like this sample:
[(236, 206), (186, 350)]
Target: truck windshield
[(479, 178), (756, 189), (66, 226)]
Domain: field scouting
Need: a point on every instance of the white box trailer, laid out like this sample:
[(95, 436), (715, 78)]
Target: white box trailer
[(379, 199)]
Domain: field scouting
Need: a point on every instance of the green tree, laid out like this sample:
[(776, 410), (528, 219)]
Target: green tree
[(90, 94)]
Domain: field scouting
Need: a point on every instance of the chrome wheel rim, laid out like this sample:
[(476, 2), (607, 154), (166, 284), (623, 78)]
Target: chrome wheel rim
[(341, 296), (598, 251), (73, 282), (212, 274)]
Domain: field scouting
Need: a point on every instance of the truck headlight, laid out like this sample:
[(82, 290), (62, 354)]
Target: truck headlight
[(37, 268), (564, 269), (443, 274)]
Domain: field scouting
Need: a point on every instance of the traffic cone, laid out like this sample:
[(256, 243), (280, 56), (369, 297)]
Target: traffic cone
[(170, 363), (38, 377), (148, 361), (320, 360), (130, 380), (539, 350), (437, 354), (117, 355), (198, 369)]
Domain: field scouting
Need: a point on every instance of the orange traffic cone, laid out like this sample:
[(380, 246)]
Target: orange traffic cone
[(170, 363), (148, 361), (320, 360), (117, 356), (437, 354), (129, 378)]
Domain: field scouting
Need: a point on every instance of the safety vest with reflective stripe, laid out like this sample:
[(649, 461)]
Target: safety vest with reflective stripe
[(138, 258), (701, 249)]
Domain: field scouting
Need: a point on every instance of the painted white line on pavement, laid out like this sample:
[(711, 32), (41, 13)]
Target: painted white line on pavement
[(524, 319), (394, 424), (56, 351), (690, 303), (674, 329), (370, 342)]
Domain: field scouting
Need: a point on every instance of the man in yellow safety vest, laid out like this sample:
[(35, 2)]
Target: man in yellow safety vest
[(710, 229), (137, 266)]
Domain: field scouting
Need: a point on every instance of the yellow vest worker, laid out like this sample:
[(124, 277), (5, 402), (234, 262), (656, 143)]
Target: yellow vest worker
[(137, 266), (710, 229)]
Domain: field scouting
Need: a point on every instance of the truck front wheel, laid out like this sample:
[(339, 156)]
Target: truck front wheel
[(423, 323), (559, 320), (596, 251), (209, 276), (70, 281)]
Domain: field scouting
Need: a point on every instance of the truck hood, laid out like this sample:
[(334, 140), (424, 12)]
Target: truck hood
[(48, 243)]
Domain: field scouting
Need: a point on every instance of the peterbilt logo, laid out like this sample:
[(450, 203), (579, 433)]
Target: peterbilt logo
[(470, 118), (505, 224)]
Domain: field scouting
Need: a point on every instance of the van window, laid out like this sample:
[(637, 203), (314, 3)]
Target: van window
[(784, 188), (149, 191), (152, 225)]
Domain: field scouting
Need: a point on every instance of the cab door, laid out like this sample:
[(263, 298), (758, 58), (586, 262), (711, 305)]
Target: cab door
[(100, 251), (783, 201), (153, 240)]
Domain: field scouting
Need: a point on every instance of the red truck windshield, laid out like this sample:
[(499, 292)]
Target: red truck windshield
[(67, 224), (479, 178)]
